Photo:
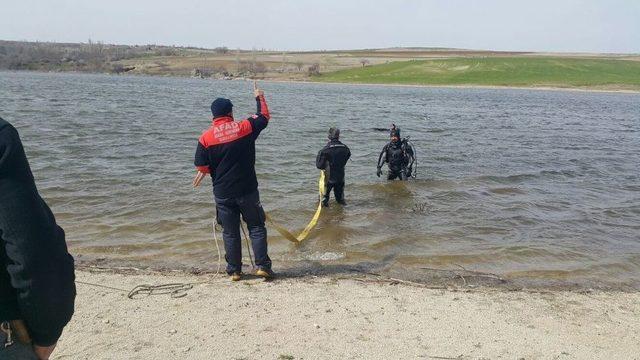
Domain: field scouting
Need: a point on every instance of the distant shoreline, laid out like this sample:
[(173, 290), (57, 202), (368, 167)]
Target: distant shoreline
[(414, 67), (469, 86), (614, 89)]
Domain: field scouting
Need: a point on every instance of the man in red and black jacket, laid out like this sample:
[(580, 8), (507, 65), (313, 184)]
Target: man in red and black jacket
[(227, 151)]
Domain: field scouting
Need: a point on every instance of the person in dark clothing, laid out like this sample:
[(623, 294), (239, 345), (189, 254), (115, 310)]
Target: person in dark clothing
[(37, 288), (332, 158), (399, 154), (227, 151)]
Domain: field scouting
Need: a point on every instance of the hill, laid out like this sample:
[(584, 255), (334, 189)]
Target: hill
[(521, 71)]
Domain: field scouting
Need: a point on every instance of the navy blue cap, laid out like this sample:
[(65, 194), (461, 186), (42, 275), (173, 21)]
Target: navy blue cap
[(221, 107)]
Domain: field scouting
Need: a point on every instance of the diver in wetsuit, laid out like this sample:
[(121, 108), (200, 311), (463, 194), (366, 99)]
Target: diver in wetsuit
[(332, 158), (399, 155)]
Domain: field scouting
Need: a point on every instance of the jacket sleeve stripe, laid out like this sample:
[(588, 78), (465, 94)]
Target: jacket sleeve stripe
[(263, 109), (201, 159)]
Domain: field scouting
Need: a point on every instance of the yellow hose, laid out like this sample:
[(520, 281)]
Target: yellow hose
[(303, 235)]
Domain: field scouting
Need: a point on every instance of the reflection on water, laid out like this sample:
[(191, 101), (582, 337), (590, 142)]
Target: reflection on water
[(540, 184)]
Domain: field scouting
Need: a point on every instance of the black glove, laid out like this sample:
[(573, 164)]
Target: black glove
[(379, 172)]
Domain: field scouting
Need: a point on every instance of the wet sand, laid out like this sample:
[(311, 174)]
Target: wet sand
[(329, 317)]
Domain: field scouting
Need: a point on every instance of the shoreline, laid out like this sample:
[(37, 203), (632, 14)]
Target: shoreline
[(470, 86), (276, 80), (328, 318), (453, 278)]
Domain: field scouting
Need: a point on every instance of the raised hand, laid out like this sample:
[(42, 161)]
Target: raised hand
[(257, 92)]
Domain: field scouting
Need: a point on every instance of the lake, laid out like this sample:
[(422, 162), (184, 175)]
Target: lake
[(527, 184)]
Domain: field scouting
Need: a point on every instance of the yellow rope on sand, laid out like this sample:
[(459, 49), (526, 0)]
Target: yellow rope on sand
[(303, 235)]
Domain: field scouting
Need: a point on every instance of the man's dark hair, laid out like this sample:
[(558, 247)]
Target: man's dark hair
[(334, 133)]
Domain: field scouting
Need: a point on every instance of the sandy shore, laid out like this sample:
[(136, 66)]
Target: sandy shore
[(343, 318)]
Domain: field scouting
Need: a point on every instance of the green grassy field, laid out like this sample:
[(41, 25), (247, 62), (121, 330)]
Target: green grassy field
[(498, 71)]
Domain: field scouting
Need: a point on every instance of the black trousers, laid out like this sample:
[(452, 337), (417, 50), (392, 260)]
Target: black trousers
[(338, 191), (229, 211)]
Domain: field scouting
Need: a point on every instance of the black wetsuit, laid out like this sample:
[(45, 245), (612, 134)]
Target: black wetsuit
[(400, 157), (333, 158)]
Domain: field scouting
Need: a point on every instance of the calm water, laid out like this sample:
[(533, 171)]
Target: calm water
[(528, 184)]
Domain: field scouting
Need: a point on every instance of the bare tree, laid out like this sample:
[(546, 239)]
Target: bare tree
[(245, 67), (166, 52), (259, 68), (221, 50), (314, 69), (284, 62), (238, 60), (95, 55)]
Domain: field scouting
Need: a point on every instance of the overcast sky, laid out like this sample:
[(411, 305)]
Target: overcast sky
[(534, 25)]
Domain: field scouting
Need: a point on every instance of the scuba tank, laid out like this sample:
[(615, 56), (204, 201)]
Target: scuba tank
[(408, 146)]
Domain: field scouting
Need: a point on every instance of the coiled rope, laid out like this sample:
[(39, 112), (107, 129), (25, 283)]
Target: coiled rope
[(175, 290)]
